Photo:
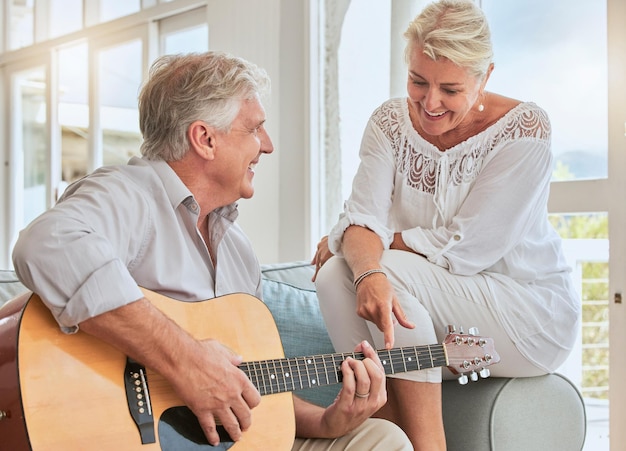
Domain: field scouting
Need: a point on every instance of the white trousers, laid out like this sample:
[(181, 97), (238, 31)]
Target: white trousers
[(432, 298)]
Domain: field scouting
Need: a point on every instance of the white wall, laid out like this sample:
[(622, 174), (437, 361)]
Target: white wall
[(273, 34)]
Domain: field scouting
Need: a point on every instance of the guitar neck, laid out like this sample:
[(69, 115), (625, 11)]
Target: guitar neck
[(297, 373)]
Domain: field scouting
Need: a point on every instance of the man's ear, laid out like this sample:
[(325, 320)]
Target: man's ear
[(202, 139)]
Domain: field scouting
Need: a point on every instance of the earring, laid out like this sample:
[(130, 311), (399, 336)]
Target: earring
[(481, 107)]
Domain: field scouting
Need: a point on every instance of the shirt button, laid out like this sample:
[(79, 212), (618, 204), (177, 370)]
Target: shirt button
[(457, 237)]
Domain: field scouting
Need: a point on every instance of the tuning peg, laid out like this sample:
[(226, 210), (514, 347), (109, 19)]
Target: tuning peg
[(463, 379), (450, 329), (473, 376), (473, 331), (485, 373)]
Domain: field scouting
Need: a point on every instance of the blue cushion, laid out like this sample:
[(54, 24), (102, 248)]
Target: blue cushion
[(297, 315)]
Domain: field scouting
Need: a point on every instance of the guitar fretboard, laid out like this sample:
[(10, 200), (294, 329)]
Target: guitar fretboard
[(296, 373)]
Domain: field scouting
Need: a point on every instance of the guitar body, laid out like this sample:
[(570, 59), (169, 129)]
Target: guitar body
[(72, 386)]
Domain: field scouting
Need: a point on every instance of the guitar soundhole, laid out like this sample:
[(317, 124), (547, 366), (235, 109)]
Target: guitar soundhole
[(179, 430)]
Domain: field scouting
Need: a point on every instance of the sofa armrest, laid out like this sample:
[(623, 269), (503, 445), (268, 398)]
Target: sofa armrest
[(514, 414), (10, 286)]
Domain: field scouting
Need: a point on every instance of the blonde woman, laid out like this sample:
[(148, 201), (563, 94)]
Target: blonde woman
[(447, 223)]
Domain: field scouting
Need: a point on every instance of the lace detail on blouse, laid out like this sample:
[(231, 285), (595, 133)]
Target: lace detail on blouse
[(462, 163)]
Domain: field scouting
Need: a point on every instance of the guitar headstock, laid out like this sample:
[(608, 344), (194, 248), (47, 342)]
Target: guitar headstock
[(469, 353)]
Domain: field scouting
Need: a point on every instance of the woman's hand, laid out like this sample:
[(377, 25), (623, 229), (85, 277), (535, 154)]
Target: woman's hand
[(321, 255), (377, 302)]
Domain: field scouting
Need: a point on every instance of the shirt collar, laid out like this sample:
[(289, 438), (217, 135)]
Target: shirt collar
[(177, 191)]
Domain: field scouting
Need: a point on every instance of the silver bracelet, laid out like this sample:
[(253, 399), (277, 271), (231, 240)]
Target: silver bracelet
[(369, 272)]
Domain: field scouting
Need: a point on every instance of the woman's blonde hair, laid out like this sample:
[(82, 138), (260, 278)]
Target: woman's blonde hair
[(452, 29)]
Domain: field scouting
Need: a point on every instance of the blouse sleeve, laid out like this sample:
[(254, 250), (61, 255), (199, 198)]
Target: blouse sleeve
[(507, 200), (372, 189)]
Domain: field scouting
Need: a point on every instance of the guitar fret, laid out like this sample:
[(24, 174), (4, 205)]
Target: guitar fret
[(299, 373), (423, 358), (397, 362), (393, 371), (274, 379), (264, 376), (284, 375), (336, 372), (336, 369), (325, 370), (312, 380), (289, 378), (409, 359), (317, 376), (256, 376), (260, 379), (277, 376), (271, 376), (432, 363), (268, 374)]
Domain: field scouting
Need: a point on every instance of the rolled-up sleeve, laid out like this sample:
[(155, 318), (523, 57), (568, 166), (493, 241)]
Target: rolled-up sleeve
[(73, 255)]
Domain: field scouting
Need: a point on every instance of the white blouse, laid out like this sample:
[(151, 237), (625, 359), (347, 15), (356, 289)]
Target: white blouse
[(479, 206)]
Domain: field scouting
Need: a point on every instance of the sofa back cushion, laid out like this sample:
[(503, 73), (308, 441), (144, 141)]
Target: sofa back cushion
[(290, 296)]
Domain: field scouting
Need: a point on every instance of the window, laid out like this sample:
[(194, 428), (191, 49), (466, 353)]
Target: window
[(73, 113), (542, 54), (73, 103), (364, 60), (64, 16), (31, 138), (186, 32), (120, 74)]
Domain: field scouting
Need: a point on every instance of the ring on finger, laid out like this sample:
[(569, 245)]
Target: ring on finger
[(361, 395)]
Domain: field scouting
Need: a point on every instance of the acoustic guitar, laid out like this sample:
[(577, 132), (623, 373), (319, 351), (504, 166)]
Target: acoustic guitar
[(75, 392)]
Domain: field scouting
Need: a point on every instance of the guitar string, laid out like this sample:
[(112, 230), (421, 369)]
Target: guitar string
[(319, 364)]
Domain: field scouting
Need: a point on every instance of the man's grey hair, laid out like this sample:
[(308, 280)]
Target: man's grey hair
[(185, 88)]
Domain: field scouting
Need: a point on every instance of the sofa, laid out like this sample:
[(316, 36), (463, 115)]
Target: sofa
[(502, 414), (545, 413)]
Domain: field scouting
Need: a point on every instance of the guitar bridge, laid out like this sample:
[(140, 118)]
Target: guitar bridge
[(138, 399)]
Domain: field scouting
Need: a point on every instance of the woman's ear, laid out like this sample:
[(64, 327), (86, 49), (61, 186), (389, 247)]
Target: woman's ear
[(489, 70), (202, 139)]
